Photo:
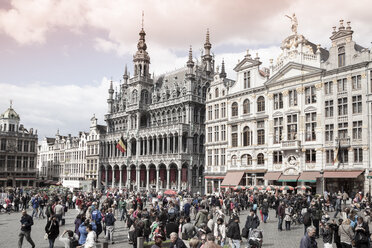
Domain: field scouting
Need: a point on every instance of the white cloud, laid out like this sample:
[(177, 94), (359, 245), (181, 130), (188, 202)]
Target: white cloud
[(49, 107)]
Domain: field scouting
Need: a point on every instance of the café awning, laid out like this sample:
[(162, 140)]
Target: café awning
[(309, 176), (232, 178), (272, 176), (342, 174), (288, 178)]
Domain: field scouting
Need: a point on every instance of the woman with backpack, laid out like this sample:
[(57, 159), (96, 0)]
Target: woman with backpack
[(71, 241)]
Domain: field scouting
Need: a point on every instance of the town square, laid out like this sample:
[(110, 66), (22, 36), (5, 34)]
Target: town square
[(185, 123)]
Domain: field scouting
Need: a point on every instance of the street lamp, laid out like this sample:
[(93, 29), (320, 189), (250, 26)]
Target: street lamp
[(200, 186), (322, 173)]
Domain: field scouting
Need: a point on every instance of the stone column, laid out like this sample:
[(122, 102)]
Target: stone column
[(147, 178), (106, 178), (148, 146), (219, 186), (120, 177), (174, 144), (113, 177), (167, 178), (206, 186), (157, 179), (138, 178), (158, 140), (179, 144), (99, 178), (163, 146), (128, 178), (179, 179)]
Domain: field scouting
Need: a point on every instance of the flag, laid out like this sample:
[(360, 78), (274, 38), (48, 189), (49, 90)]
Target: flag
[(121, 146)]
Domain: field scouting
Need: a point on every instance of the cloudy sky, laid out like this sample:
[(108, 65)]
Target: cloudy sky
[(57, 56)]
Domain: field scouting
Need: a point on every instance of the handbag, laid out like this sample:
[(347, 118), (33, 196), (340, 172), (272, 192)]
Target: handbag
[(46, 235)]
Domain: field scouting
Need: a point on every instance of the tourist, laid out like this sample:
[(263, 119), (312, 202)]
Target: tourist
[(158, 241), (288, 217), (234, 233), (52, 230), (97, 218), (201, 217), (326, 232), (91, 237), (188, 230), (26, 223), (71, 241), (281, 213), (346, 234), (220, 232), (362, 234), (176, 242), (110, 225), (308, 240)]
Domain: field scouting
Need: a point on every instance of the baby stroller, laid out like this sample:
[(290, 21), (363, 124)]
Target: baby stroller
[(255, 238)]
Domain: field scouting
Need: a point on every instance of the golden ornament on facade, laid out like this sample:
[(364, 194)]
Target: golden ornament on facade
[(300, 90), (319, 86), (285, 93), (270, 96)]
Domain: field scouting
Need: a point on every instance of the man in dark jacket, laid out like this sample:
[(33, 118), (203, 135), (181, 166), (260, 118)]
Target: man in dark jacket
[(110, 225), (176, 241), (26, 223), (308, 240), (281, 213), (252, 220), (171, 227), (265, 210), (234, 233)]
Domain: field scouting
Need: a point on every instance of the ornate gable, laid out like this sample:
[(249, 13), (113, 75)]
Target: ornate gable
[(247, 62), (293, 70)]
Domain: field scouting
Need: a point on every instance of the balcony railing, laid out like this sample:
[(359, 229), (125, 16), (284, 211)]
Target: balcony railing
[(291, 144), (344, 142)]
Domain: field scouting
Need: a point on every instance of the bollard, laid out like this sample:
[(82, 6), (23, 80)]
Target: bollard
[(140, 242)]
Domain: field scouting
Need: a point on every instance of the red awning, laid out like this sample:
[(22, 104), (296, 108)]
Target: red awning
[(288, 178), (272, 176), (232, 178), (309, 176), (214, 177), (342, 174)]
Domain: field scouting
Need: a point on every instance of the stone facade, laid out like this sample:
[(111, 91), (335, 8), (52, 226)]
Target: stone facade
[(161, 120), (63, 158), (17, 152), (307, 113)]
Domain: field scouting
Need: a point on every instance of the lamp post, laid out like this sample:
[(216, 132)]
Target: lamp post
[(200, 186), (322, 173)]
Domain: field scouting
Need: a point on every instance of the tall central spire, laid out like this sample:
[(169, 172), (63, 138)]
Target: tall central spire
[(141, 59)]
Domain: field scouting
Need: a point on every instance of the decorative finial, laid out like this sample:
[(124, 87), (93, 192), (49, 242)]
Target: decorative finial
[(341, 25), (11, 103), (190, 53), (334, 30), (348, 27), (207, 38), (257, 58), (271, 61)]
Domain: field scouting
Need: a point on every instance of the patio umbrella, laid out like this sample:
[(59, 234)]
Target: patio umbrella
[(286, 188), (271, 187), (170, 192), (304, 187), (255, 188), (238, 187)]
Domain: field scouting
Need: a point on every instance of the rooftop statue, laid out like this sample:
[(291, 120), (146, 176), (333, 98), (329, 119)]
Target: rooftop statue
[(294, 23)]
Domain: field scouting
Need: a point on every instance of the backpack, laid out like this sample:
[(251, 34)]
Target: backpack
[(74, 243), (96, 216), (307, 219)]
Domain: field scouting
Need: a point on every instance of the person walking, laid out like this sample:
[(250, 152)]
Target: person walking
[(362, 234), (52, 230), (308, 240), (234, 233), (110, 225), (281, 213), (337, 207), (346, 234), (288, 217), (26, 223)]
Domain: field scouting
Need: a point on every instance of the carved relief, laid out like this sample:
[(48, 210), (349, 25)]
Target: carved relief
[(319, 86), (270, 96), (300, 90), (285, 93)]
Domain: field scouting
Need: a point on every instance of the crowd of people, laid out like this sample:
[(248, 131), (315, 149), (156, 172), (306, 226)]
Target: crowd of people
[(181, 220)]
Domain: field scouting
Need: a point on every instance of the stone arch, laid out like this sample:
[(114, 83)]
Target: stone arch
[(173, 175)]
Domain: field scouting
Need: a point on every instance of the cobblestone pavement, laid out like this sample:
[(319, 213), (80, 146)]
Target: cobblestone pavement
[(10, 226)]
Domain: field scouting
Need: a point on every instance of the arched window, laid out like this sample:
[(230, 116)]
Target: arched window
[(246, 136), (216, 92), (145, 97), (341, 56), (134, 96), (246, 160), (260, 104), (234, 109), (233, 161), (260, 159), (246, 106)]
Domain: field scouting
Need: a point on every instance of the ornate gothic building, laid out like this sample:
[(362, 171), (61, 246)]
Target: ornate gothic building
[(161, 121)]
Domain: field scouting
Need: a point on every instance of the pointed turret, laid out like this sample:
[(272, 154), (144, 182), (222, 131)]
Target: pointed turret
[(125, 76), (223, 73), (207, 56), (110, 99), (190, 63)]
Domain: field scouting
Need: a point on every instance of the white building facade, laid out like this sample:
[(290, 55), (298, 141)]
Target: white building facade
[(304, 121)]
